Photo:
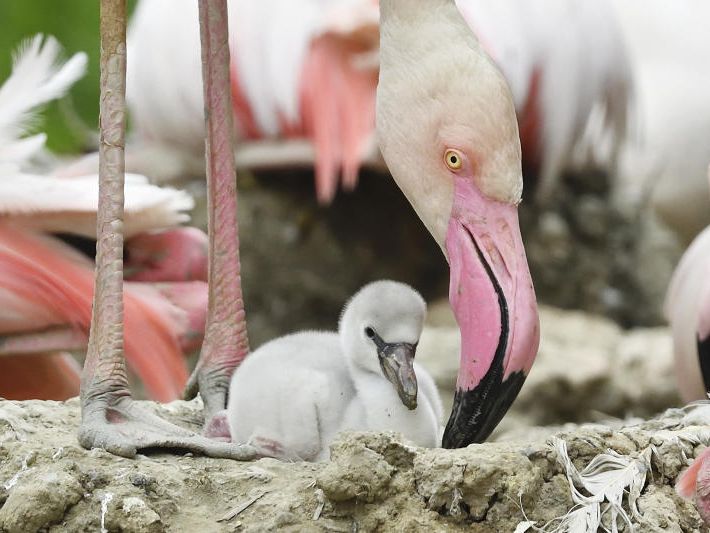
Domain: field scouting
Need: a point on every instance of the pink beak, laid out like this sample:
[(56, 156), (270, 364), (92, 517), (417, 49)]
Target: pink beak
[(493, 299)]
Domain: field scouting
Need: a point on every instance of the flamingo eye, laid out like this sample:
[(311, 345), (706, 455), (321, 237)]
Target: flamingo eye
[(453, 159)]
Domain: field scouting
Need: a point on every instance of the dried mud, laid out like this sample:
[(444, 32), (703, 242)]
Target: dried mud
[(377, 482)]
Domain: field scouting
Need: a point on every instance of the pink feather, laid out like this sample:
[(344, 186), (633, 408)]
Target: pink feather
[(57, 287)]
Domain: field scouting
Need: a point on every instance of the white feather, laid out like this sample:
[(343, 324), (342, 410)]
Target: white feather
[(23, 149), (522, 527), (269, 43), (164, 74), (54, 204), (579, 51), (37, 78), (612, 480), (602, 487), (69, 205), (669, 43), (698, 414)]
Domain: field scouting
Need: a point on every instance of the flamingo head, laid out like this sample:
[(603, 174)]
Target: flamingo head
[(447, 130)]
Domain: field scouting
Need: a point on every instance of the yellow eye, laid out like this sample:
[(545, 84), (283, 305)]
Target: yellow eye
[(453, 159)]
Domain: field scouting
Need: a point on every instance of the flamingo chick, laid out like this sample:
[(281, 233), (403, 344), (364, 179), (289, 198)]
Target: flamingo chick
[(361, 378)]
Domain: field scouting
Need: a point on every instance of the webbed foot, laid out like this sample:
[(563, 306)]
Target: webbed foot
[(125, 427)]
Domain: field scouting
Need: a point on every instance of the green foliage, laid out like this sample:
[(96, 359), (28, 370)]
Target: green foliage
[(75, 23)]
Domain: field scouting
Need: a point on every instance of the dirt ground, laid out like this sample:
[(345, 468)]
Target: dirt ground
[(376, 482)]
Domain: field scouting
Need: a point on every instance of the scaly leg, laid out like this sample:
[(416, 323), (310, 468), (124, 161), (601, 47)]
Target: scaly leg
[(225, 344), (110, 418)]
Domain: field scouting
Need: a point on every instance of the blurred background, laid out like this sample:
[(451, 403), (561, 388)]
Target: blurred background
[(75, 24), (613, 108)]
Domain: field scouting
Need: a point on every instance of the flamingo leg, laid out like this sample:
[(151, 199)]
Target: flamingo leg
[(110, 418), (225, 344)]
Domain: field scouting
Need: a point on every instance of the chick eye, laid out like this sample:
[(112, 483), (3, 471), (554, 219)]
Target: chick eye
[(369, 332), (453, 159)]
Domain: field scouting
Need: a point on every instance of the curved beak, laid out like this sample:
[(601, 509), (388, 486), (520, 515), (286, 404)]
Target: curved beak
[(493, 299), (397, 363)]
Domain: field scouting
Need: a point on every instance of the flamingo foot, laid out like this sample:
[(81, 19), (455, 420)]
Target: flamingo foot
[(124, 427)]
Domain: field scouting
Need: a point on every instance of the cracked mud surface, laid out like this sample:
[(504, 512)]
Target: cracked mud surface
[(376, 482)]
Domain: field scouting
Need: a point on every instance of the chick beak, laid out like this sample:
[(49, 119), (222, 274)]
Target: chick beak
[(397, 363)]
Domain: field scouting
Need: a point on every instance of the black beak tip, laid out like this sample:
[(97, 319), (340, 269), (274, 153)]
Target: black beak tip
[(476, 413)]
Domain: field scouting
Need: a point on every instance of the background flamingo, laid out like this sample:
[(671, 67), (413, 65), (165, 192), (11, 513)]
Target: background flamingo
[(306, 73), (300, 70), (46, 286), (568, 68), (669, 47), (688, 310)]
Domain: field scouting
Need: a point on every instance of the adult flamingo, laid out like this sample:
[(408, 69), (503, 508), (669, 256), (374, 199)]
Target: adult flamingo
[(447, 127), (46, 286), (569, 70), (688, 310)]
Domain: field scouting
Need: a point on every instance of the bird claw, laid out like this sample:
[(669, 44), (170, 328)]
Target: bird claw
[(126, 427)]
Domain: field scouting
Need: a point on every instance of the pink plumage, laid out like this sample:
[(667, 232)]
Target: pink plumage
[(300, 71), (178, 254), (337, 112), (46, 286), (36, 270)]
